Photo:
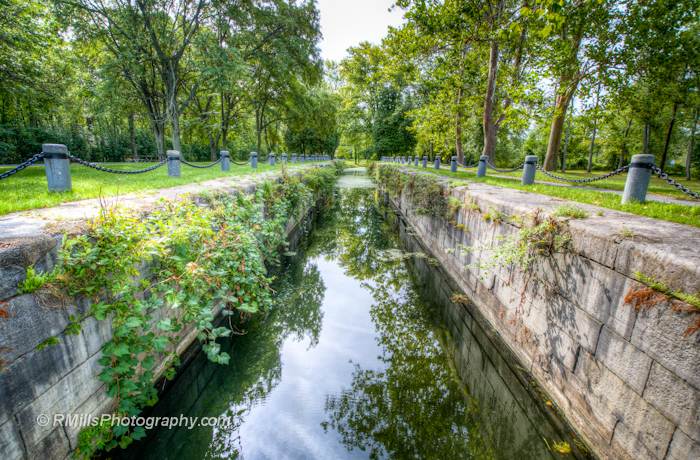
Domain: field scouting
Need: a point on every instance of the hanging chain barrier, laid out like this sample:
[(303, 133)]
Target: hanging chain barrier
[(504, 170), (583, 181), (24, 165), (240, 164), (201, 167), (663, 176), (472, 166), (113, 171)]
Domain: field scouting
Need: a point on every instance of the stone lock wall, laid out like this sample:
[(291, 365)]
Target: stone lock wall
[(628, 381), (59, 379)]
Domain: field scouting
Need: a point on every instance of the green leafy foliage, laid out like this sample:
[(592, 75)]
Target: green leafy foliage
[(36, 280), (190, 261)]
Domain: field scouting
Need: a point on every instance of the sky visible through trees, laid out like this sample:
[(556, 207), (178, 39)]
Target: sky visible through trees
[(597, 80)]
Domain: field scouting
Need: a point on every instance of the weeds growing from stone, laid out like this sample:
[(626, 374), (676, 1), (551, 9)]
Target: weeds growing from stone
[(656, 292), (570, 210)]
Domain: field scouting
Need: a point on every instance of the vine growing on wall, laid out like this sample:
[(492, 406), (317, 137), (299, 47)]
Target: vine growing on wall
[(186, 263)]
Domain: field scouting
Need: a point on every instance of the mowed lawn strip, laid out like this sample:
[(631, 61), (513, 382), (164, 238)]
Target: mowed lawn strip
[(682, 214), (28, 190)]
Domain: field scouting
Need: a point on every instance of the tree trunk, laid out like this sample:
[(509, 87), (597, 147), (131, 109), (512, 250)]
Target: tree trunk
[(213, 144), (623, 151), (550, 159), (159, 133), (175, 125), (132, 135), (689, 155), (489, 128), (595, 126), (590, 154), (668, 136), (646, 141), (566, 145), (458, 128)]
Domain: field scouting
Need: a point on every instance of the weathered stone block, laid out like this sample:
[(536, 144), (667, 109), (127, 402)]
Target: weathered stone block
[(660, 254), (595, 289), (11, 444), (97, 333), (674, 398), (54, 445), (17, 254), (62, 398), (29, 324), (629, 447), (596, 242), (659, 332), (639, 417), (572, 395), (624, 359), (31, 376), (682, 448), (579, 325), (97, 404)]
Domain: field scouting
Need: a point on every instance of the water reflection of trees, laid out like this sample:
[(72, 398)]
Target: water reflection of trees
[(414, 405), (354, 234)]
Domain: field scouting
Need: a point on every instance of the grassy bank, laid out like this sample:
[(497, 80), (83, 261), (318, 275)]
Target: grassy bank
[(28, 190), (682, 214)]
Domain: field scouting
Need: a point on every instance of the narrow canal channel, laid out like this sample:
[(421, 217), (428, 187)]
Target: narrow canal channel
[(364, 356)]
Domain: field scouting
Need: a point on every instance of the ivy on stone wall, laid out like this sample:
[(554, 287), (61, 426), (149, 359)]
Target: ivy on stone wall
[(184, 262)]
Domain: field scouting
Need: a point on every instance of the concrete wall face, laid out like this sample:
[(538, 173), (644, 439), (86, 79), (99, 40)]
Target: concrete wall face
[(628, 381), (59, 379)]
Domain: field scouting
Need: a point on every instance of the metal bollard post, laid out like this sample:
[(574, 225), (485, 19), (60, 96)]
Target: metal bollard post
[(638, 177), (425, 161), (174, 166), (271, 158), (437, 162), (294, 158), (284, 159), (225, 160), (453, 164), (416, 160), (254, 160), (481, 170), (57, 166), (529, 170)]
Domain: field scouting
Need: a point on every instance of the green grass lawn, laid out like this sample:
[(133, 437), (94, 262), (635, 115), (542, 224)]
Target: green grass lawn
[(28, 190), (689, 215), (656, 186)]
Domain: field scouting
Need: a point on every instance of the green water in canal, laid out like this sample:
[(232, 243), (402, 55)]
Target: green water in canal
[(364, 356)]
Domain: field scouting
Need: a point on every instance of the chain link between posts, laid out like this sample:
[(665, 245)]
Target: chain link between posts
[(583, 181), (201, 167), (467, 167), (663, 176), (24, 165), (113, 171), (241, 164), (504, 170)]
